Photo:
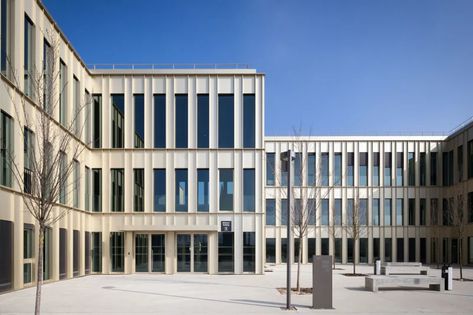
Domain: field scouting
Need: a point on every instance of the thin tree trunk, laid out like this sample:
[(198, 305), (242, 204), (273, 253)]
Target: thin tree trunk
[(298, 286), (461, 260), (39, 272)]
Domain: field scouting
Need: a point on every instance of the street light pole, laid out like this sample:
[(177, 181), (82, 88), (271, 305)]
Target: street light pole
[(286, 158)]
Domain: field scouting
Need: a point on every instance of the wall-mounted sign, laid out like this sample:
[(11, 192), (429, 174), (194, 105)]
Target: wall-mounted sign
[(226, 226)]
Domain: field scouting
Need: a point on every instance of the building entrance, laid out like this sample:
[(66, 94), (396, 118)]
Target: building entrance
[(192, 252)]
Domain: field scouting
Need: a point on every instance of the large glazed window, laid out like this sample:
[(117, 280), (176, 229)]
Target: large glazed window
[(225, 121), (48, 66), (411, 168), (96, 251), (97, 190), (141, 253), (422, 169), (181, 120), (117, 190), (203, 121), (399, 211), (249, 121), (97, 120), (225, 252), (62, 253), (325, 169), (76, 107), (337, 167), (270, 169), (118, 120), (139, 102), (298, 169), (28, 147), (87, 189), (363, 177), (375, 177), (28, 252), (270, 212), (249, 190), (75, 183), (139, 189), (117, 249), (160, 120), (159, 195), (470, 159), (311, 169), (62, 93), (270, 250), (62, 178), (399, 169), (226, 189), (6, 255), (350, 169), (6, 147), (203, 190), (158, 251), (75, 255), (181, 190), (5, 36), (29, 54), (388, 212), (249, 245), (387, 168)]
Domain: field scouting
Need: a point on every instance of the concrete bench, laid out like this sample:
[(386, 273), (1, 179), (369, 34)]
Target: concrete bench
[(403, 269), (374, 282)]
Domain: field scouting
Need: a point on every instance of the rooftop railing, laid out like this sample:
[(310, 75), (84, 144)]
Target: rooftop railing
[(167, 66)]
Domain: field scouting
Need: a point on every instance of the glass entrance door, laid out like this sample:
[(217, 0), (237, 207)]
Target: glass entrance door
[(183, 252), (200, 253), (158, 252)]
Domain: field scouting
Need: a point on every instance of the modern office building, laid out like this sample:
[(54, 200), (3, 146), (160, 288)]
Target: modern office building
[(175, 173)]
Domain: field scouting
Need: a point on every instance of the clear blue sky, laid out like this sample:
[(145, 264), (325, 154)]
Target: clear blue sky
[(332, 67)]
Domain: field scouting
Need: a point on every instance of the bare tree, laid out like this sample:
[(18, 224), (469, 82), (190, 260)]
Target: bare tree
[(308, 194), (52, 148), (355, 225), (457, 221)]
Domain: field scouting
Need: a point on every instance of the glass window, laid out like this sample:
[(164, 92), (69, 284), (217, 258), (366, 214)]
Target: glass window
[(363, 169), (412, 249), (310, 210), (139, 101), (388, 250), (97, 120), (337, 208), (159, 195), (29, 54), (226, 189), (387, 211), (270, 212), (387, 168), (160, 120), (363, 250), (310, 249), (48, 66), (375, 211), (158, 252), (433, 168), (337, 175), (139, 189), (434, 215), (202, 120), (87, 118), (298, 169), (249, 190), (460, 162), (118, 120), (117, 190), (63, 93), (62, 177), (283, 211), (400, 249), (325, 169), (363, 212), (75, 252), (283, 250), (470, 207), (311, 169), (470, 159), (422, 211), (270, 167), (350, 250), (141, 252), (181, 190), (249, 120), (399, 211), (225, 252), (181, 120), (225, 121), (350, 169), (375, 177), (203, 190), (28, 147), (97, 190), (28, 252), (76, 110), (200, 253), (376, 249), (6, 147), (117, 250), (5, 39), (76, 183), (249, 245), (325, 211), (422, 169), (270, 250), (412, 169), (411, 211), (399, 169), (338, 250), (283, 175), (63, 257), (349, 210), (96, 251), (87, 189)]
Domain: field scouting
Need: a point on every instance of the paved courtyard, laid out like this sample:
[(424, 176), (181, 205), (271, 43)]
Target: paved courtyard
[(240, 294)]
